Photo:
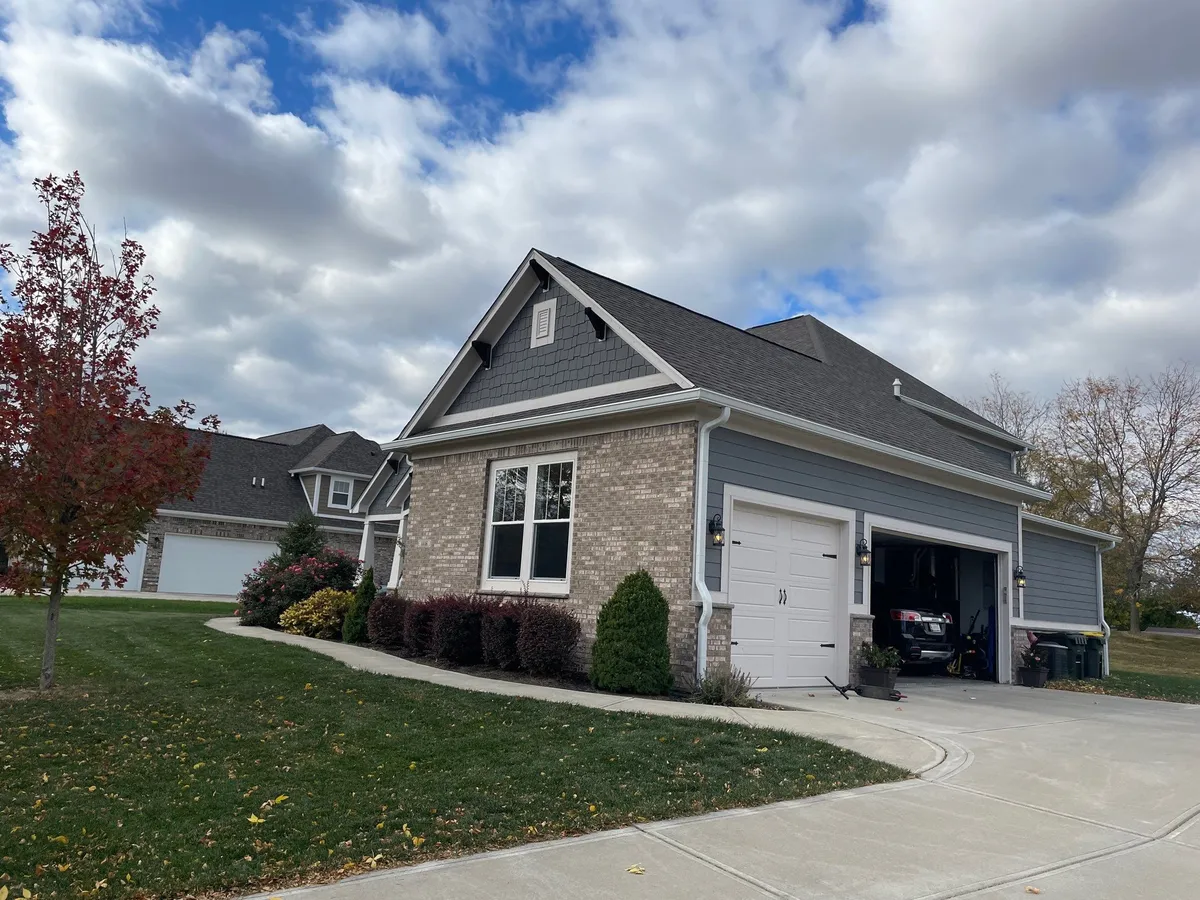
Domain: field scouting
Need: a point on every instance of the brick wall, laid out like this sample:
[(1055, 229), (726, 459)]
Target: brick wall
[(632, 508), (861, 632), (1020, 643), (719, 628)]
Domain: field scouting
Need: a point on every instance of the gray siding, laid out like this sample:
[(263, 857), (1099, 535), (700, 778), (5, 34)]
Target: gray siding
[(574, 360), (753, 462), (1060, 580)]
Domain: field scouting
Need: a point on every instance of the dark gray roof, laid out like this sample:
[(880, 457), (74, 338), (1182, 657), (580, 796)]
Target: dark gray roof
[(297, 436), (797, 334), (850, 391), (345, 452), (227, 486)]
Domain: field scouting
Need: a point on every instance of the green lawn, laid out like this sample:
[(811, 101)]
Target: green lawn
[(178, 760), (1150, 666)]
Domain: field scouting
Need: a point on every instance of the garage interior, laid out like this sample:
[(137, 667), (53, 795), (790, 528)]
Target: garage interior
[(917, 576)]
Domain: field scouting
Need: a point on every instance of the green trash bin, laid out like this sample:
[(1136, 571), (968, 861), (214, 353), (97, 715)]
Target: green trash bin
[(1093, 664)]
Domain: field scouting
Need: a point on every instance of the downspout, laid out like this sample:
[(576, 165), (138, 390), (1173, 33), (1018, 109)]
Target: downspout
[(698, 532), (1100, 602)]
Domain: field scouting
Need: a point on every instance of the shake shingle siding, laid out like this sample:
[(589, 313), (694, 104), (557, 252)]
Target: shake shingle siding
[(749, 461), (1061, 580), (575, 359)]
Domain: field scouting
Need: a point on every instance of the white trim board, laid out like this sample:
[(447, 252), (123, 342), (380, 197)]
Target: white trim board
[(375, 484), (1055, 528), (1004, 586), (399, 487), (349, 504), (358, 476), (846, 518), (1042, 625), (611, 389), (243, 520)]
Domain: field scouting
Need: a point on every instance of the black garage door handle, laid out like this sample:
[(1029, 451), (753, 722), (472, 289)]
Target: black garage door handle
[(830, 646)]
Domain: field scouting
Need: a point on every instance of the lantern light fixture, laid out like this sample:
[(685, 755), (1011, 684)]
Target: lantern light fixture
[(864, 553), (716, 530), (1019, 578)]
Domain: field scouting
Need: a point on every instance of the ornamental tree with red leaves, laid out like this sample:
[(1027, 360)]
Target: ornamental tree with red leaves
[(85, 460)]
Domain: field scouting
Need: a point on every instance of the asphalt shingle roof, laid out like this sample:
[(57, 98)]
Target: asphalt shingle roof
[(851, 390), (345, 452)]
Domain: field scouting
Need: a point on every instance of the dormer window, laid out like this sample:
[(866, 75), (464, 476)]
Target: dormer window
[(543, 323), (339, 492)]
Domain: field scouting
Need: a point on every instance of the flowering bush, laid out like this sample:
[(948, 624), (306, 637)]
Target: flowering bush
[(276, 585), (320, 616)]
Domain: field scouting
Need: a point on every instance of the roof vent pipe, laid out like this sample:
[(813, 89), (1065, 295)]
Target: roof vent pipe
[(896, 388), (699, 533)]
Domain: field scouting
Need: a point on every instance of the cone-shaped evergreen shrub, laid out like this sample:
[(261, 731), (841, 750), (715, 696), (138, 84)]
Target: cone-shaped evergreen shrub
[(354, 628), (631, 654)]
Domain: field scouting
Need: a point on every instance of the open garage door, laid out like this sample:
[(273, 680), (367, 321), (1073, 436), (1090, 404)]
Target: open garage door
[(206, 565), (783, 585)]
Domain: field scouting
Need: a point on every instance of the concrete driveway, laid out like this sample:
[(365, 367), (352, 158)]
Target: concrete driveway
[(1079, 797)]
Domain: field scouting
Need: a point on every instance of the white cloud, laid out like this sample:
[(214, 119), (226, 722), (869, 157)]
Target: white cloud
[(1009, 186)]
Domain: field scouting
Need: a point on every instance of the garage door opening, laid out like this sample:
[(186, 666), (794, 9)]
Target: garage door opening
[(937, 604)]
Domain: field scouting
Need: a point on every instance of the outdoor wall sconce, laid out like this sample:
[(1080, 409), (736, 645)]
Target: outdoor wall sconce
[(864, 553), (1019, 578), (716, 529)]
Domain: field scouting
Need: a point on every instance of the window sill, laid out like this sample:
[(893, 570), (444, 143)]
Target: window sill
[(519, 589)]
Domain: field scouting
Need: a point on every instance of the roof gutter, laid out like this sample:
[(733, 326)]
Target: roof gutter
[(700, 508), (1049, 524), (994, 433), (714, 398)]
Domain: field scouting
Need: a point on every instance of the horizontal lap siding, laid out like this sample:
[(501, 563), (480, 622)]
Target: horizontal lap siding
[(753, 462), (1060, 580)]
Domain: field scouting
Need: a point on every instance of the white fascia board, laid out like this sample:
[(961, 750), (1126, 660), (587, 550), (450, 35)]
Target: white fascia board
[(322, 471), (596, 392), (1009, 442), (209, 517), (615, 325), (374, 485), (399, 487), (1043, 524), (742, 406), (521, 284)]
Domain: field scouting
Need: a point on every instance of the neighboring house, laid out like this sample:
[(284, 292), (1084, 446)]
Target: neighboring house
[(251, 488), (586, 429)]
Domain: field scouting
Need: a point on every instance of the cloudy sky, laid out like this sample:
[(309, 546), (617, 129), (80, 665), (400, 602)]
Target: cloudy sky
[(331, 193)]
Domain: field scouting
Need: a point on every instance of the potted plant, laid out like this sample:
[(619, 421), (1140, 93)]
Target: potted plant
[(878, 666), (1032, 671)]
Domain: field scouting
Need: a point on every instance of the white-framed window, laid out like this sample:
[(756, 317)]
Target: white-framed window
[(542, 332), (339, 492), (528, 540)]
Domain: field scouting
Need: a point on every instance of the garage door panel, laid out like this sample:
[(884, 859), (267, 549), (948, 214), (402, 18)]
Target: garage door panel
[(756, 628), (801, 631), (810, 666), (758, 665), (755, 593), (801, 597), (814, 534), (815, 567), (754, 559), (760, 523), (192, 564)]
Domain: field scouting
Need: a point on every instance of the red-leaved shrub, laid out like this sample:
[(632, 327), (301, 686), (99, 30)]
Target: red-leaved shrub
[(277, 584), (454, 629), (385, 620), (418, 627), (498, 631), (546, 638)]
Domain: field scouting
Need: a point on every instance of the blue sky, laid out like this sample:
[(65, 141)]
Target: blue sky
[(331, 193)]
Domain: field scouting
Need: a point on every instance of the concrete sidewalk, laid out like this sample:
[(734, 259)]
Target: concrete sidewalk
[(1082, 797), (877, 740)]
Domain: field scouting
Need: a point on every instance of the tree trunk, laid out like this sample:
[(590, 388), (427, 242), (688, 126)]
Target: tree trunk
[(1134, 625), (51, 645)]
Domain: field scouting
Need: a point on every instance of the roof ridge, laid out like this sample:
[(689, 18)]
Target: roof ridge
[(687, 309)]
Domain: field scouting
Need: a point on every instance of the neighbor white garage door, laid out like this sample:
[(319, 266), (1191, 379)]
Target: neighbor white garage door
[(783, 579), (205, 565)]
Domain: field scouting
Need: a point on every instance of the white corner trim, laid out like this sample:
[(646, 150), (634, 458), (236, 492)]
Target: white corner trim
[(316, 497), (399, 487), (1051, 526), (848, 522), (1042, 625), (243, 520), (374, 485), (612, 389), (307, 495), (614, 325), (995, 434), (1004, 585), (541, 331), (359, 476)]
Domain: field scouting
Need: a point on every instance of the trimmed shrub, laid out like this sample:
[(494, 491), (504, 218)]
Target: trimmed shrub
[(418, 625), (385, 621), (319, 616), (498, 632), (631, 654), (546, 638), (454, 630), (276, 584), (301, 538), (354, 628)]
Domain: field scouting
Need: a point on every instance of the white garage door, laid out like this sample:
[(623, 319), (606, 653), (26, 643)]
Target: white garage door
[(783, 579), (204, 565)]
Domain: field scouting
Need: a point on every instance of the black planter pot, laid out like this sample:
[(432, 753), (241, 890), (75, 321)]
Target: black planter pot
[(1034, 678), (880, 678)]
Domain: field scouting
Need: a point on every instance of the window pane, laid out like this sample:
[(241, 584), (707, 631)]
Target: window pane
[(508, 503), (340, 494), (553, 491), (506, 551), (550, 549)]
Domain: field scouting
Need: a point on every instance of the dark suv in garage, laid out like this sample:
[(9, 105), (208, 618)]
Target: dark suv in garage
[(921, 635)]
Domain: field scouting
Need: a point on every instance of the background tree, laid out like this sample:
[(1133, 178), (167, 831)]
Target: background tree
[(1021, 413), (84, 458)]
